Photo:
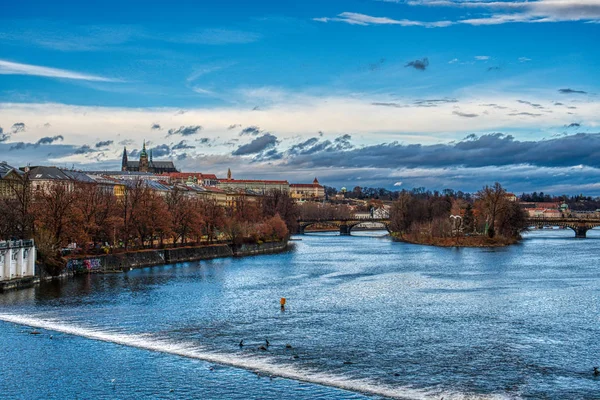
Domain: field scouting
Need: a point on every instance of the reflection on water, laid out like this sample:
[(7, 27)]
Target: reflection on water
[(363, 313)]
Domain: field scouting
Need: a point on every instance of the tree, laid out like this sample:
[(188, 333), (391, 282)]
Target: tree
[(493, 202), (468, 219)]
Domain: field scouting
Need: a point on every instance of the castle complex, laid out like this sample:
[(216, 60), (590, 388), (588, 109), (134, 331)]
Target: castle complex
[(146, 164)]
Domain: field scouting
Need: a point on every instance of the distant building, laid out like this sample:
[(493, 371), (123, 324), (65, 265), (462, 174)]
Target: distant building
[(307, 191), (510, 197), (146, 164), (254, 185), (193, 177), (9, 177)]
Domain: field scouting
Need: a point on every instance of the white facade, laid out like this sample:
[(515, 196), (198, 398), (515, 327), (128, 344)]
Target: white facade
[(17, 259)]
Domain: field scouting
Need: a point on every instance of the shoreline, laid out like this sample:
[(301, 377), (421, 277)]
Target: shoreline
[(123, 262)]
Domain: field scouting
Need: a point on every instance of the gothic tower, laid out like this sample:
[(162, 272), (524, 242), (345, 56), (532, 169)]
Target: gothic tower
[(144, 159), (228, 174), (124, 161)]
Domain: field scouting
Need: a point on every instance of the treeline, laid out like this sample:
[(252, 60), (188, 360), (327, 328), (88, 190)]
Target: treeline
[(366, 193), (439, 215), (92, 216), (575, 203)]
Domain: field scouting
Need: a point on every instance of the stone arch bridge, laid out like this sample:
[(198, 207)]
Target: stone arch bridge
[(578, 224), (345, 225)]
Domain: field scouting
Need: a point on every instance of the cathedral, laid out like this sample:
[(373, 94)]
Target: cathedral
[(146, 164)]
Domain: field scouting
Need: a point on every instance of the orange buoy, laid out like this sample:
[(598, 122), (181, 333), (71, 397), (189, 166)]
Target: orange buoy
[(282, 302)]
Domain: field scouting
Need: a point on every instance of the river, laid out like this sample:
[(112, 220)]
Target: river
[(366, 317)]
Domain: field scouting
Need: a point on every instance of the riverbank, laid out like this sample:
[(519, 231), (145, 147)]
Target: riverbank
[(461, 241), (151, 257), (122, 262)]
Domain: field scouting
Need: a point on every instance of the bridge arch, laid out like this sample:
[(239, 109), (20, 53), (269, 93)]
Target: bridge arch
[(303, 225), (579, 226), (384, 224)]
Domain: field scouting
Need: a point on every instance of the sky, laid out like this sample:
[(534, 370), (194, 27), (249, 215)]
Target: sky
[(390, 93)]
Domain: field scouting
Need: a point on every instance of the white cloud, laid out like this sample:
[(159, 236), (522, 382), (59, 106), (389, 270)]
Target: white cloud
[(453, 61), (538, 11), (364, 20), (12, 68), (398, 184), (524, 59), (289, 115), (482, 58)]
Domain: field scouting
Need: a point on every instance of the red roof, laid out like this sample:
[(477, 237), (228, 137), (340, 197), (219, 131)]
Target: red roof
[(305, 185), (253, 181)]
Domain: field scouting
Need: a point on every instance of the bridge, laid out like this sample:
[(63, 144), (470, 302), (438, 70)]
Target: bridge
[(578, 224), (345, 225)]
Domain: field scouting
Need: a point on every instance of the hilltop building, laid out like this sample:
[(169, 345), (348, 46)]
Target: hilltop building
[(254, 185), (146, 164), (307, 191)]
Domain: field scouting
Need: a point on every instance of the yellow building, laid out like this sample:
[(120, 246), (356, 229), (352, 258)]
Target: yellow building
[(307, 191)]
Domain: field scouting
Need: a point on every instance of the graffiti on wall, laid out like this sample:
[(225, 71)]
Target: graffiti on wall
[(84, 265)]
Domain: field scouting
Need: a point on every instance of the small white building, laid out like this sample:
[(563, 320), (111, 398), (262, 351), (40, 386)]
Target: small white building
[(17, 259)]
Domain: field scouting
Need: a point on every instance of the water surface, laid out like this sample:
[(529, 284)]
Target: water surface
[(365, 317)]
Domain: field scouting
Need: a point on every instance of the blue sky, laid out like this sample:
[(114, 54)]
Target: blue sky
[(399, 94)]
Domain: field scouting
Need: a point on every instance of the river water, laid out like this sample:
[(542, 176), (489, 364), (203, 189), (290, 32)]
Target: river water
[(366, 318)]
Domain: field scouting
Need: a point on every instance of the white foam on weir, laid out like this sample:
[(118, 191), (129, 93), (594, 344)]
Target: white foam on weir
[(254, 363)]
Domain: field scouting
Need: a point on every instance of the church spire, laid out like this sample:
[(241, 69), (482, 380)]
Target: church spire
[(228, 174), (124, 160), (150, 156)]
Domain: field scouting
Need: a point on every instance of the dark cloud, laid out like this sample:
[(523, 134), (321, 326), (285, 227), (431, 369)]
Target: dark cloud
[(558, 104), (527, 114), (433, 102), (395, 105), (182, 156), (573, 125), (42, 141), (568, 90), (20, 146), (47, 125), (185, 130), (301, 147), (203, 140), (493, 69), (161, 151), (104, 143), (155, 127), (315, 145), (233, 126), (182, 146), (534, 105), (84, 150), (49, 140), (251, 130), (474, 151), (466, 115), (3, 136), (342, 143), (126, 142), (496, 106), (255, 108), (18, 127), (421, 65), (257, 145)]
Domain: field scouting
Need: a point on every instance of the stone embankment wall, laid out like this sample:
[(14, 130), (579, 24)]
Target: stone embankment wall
[(147, 258)]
